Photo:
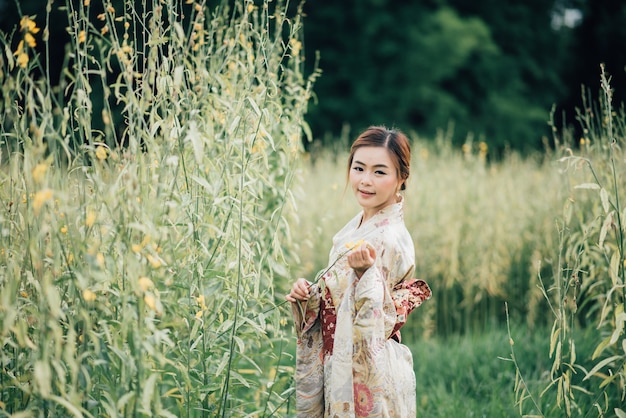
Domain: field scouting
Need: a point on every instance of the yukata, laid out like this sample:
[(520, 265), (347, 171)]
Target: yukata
[(349, 360)]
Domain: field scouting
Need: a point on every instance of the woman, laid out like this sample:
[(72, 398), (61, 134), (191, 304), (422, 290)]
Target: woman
[(350, 362)]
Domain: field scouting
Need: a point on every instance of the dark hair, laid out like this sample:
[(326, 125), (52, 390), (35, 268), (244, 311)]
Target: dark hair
[(395, 141)]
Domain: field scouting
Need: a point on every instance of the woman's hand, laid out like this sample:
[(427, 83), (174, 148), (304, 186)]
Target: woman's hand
[(362, 258), (299, 291)]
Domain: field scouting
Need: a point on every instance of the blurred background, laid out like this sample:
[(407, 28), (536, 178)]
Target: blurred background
[(488, 69)]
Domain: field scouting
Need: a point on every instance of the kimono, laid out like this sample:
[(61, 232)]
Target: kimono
[(349, 359)]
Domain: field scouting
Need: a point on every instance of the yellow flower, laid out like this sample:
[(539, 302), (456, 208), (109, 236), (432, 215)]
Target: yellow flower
[(100, 259), (30, 40), (352, 245), (39, 172), (199, 314), (91, 218), (41, 197), (150, 301), (136, 248), (155, 262), (145, 284), (104, 31), (101, 153), (22, 59), (23, 294), (88, 295), (82, 36), (28, 25), (64, 229)]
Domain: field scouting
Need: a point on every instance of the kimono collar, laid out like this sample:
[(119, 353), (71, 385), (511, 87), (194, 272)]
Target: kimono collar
[(388, 214)]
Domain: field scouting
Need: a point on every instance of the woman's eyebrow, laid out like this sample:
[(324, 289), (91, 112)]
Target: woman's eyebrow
[(375, 165)]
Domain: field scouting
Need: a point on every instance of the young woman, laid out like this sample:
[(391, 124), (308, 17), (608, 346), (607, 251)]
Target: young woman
[(350, 362)]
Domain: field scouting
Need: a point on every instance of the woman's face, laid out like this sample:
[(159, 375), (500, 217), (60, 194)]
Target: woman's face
[(374, 179)]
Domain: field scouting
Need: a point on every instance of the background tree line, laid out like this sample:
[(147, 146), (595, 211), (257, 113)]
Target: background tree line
[(488, 69)]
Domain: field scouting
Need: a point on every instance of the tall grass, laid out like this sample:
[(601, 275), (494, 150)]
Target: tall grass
[(587, 287), (144, 210)]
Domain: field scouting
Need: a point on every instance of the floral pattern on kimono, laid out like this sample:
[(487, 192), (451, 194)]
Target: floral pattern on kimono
[(350, 362)]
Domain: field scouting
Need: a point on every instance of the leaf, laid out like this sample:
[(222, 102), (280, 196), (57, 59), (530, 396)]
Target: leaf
[(42, 376), (604, 197), (605, 228), (554, 338), (68, 405), (614, 268), (193, 136), (600, 348), (620, 319), (600, 365), (619, 413), (254, 106), (148, 391), (588, 186)]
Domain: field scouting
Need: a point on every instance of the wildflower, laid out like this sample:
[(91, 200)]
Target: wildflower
[(23, 294), (22, 59), (296, 46), (88, 295), (145, 284), (91, 218), (82, 36), (110, 9), (150, 301), (104, 31), (250, 7), (101, 153), (155, 262), (22, 56), (100, 259), (39, 172), (41, 197), (101, 17), (30, 40), (64, 229), (136, 248), (259, 146), (28, 25), (352, 245)]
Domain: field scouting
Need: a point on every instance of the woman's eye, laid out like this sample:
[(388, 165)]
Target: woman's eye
[(357, 168), (380, 173)]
